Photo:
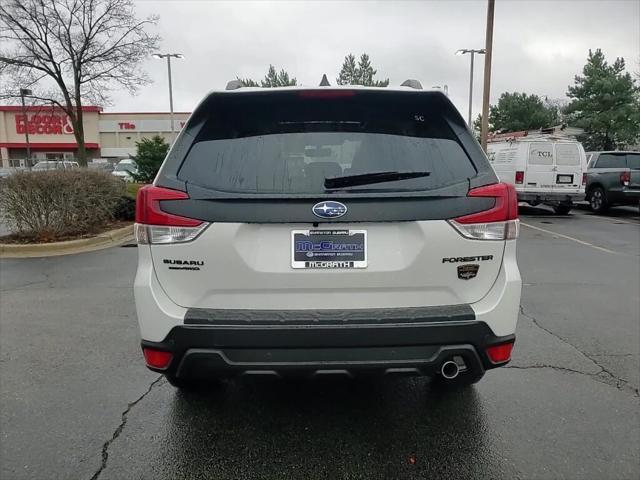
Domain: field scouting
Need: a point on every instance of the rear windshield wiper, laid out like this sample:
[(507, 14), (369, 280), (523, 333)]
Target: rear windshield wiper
[(370, 178)]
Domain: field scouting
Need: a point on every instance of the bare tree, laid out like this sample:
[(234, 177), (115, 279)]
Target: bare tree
[(71, 51)]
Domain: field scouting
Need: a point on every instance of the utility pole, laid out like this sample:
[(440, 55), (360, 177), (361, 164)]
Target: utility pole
[(24, 92), (487, 75)]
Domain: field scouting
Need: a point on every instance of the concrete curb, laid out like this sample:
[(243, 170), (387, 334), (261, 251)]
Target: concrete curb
[(104, 240)]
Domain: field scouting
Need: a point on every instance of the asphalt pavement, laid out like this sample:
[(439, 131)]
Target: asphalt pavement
[(76, 401)]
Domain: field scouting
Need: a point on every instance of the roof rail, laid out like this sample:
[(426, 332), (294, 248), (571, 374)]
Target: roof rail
[(412, 84), (234, 84)]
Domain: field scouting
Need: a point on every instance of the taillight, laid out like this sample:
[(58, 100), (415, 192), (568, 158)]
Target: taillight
[(500, 353), (155, 226), (157, 358), (499, 222), (584, 179), (625, 178), (519, 177)]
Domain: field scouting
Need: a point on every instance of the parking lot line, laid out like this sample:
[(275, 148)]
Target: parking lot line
[(577, 240), (613, 220)]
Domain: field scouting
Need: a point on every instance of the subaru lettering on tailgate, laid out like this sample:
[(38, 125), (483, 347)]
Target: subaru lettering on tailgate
[(329, 249)]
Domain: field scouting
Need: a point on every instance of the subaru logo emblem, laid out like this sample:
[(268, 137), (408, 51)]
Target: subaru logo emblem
[(329, 209)]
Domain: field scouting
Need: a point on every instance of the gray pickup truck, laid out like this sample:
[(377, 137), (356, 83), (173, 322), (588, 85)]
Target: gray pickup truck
[(613, 178)]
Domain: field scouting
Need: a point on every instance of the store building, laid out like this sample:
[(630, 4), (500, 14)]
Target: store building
[(107, 135)]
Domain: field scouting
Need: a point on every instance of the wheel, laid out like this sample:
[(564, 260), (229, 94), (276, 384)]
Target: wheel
[(187, 384), (562, 209), (598, 200), (461, 381)]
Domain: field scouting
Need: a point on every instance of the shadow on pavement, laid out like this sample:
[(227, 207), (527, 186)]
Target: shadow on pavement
[(329, 429)]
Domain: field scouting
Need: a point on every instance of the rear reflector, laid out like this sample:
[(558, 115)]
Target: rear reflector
[(500, 222), (519, 177), (157, 358), (500, 353), (155, 226)]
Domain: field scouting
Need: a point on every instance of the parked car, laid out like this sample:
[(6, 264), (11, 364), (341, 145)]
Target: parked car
[(8, 171), (55, 165), (124, 168), (326, 231), (613, 179), (101, 164), (545, 169)]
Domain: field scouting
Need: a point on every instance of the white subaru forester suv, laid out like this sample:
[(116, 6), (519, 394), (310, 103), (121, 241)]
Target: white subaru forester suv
[(326, 231)]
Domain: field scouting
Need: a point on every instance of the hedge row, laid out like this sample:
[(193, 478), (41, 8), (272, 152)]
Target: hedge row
[(60, 203)]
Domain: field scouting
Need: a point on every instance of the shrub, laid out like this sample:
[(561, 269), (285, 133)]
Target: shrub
[(50, 204), (125, 209)]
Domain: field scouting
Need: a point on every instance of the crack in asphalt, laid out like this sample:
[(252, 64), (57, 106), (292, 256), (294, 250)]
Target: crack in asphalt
[(118, 431), (603, 375), (615, 354), (553, 367), (27, 285)]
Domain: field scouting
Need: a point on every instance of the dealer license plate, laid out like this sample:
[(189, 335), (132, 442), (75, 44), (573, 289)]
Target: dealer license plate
[(329, 249)]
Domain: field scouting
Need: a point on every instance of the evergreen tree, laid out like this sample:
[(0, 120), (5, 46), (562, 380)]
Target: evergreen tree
[(361, 74), (606, 103), (247, 82), (349, 71), (273, 78), (150, 153)]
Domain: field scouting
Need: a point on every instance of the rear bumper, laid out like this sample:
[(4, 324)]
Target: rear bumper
[(550, 197), (628, 196), (411, 346)]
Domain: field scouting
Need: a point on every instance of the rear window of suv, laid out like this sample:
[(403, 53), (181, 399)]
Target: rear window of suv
[(633, 161), (290, 142), (611, 160)]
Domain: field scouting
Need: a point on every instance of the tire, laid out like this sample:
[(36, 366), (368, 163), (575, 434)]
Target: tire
[(562, 209), (598, 200)]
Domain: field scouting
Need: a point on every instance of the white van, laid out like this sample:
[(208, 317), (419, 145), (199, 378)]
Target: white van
[(544, 168)]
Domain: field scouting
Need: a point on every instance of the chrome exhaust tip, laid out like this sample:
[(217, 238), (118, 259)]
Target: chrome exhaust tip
[(450, 370)]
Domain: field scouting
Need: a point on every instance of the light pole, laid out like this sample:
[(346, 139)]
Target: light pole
[(472, 52), (25, 92), (168, 56)]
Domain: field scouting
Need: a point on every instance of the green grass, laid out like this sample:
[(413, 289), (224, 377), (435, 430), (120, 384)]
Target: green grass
[(132, 189)]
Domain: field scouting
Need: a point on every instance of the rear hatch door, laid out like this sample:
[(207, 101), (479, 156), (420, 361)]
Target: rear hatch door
[(570, 164), (256, 170), (633, 162)]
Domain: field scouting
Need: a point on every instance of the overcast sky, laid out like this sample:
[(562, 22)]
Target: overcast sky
[(538, 45)]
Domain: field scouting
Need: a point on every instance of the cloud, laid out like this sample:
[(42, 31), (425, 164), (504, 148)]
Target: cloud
[(538, 45)]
